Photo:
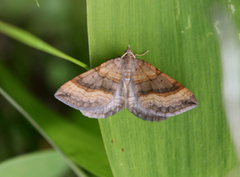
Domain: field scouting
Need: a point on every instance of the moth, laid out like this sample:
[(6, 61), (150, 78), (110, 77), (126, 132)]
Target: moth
[(130, 83)]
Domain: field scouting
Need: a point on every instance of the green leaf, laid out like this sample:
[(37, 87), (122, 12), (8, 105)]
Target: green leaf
[(80, 145), (37, 3), (230, 55), (181, 42), (32, 41), (46, 163)]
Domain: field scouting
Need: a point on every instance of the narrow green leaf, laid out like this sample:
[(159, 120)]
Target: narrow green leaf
[(230, 54), (181, 42), (80, 146), (32, 41), (46, 163), (37, 3)]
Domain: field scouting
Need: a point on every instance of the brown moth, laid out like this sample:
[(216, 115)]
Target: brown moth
[(126, 82)]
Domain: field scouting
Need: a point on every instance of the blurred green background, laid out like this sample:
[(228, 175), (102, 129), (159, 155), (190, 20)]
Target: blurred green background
[(60, 23)]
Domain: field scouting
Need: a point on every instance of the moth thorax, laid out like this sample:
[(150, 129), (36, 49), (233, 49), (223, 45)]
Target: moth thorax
[(127, 69)]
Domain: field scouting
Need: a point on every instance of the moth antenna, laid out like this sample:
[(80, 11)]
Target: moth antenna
[(142, 54)]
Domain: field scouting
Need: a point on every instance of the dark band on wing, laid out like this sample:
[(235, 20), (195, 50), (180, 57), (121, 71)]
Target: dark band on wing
[(175, 88), (90, 87), (171, 109)]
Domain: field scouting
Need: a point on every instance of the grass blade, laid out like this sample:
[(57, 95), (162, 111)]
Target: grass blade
[(32, 41), (45, 163), (80, 146), (182, 45), (230, 55)]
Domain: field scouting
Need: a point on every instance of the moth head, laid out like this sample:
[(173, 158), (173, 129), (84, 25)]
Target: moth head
[(129, 51)]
